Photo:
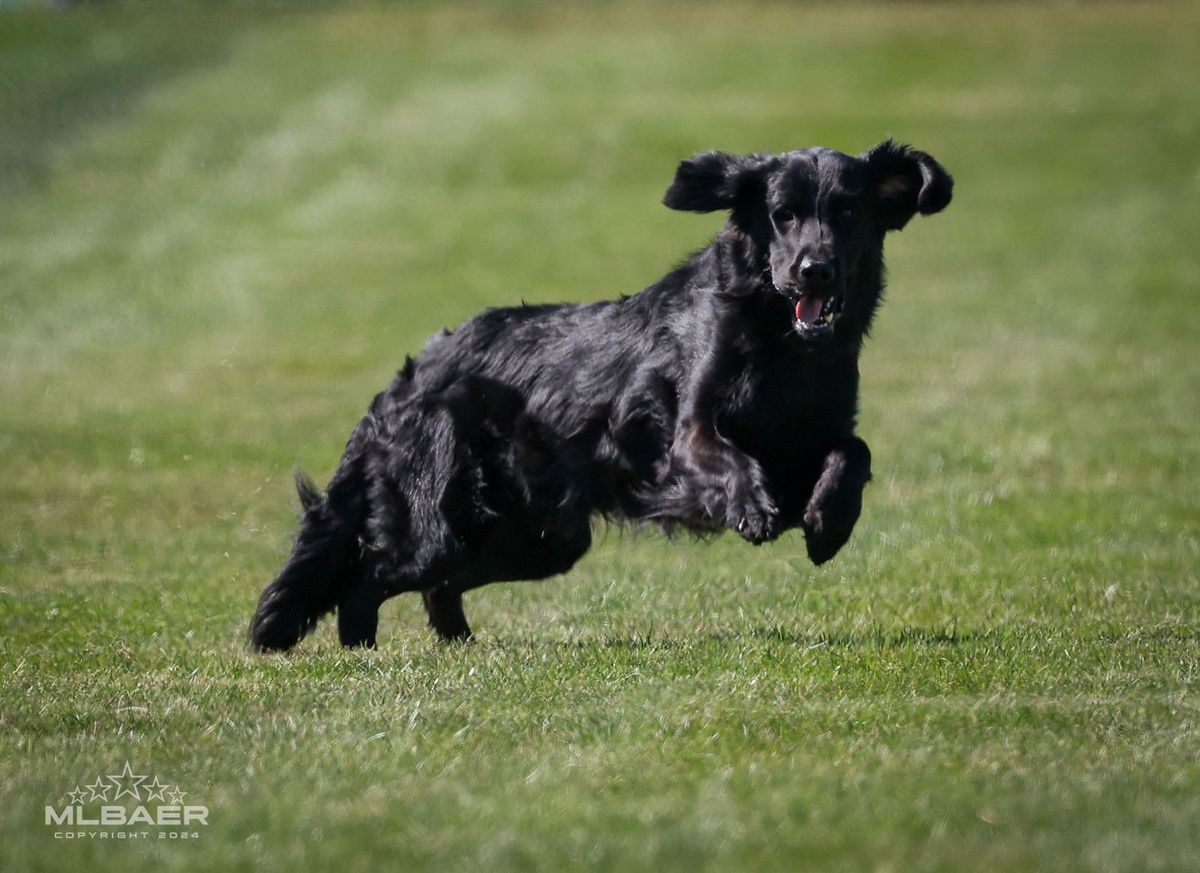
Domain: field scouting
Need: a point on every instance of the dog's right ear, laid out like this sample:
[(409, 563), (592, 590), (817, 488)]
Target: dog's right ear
[(714, 180)]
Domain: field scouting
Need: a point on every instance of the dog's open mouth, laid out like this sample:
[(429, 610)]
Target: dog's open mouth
[(815, 315)]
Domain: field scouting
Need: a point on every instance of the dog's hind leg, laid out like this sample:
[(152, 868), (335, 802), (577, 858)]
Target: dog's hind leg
[(358, 613), (444, 607), (380, 579), (519, 550)]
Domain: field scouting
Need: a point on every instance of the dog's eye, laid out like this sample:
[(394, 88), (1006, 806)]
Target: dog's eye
[(783, 216), (847, 213)]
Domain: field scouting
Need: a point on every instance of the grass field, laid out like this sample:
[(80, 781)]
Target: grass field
[(222, 228)]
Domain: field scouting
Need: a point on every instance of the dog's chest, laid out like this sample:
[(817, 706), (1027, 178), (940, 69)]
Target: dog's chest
[(790, 398)]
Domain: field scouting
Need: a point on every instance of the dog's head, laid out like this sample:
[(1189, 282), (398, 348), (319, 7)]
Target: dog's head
[(814, 221)]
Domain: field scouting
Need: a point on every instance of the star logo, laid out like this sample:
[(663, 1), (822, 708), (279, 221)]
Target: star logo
[(99, 789), (127, 784), (135, 797), (156, 790)]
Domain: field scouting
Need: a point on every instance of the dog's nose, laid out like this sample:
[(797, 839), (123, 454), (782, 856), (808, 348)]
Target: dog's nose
[(816, 272)]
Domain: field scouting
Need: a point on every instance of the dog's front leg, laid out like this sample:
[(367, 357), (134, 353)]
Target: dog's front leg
[(726, 483), (836, 499), (710, 481)]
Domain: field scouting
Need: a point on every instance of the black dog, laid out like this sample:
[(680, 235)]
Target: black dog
[(722, 396)]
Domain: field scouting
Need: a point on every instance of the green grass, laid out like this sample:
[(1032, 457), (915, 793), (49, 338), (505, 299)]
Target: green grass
[(220, 231)]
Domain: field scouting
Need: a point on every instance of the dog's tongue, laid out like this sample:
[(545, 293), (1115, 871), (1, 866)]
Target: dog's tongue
[(808, 309)]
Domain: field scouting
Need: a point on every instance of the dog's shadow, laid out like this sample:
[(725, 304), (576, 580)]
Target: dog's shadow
[(875, 637)]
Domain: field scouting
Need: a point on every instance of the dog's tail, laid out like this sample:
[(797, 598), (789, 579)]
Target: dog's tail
[(325, 554)]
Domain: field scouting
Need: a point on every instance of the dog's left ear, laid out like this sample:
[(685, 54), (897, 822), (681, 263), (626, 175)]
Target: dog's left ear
[(906, 181), (714, 180)]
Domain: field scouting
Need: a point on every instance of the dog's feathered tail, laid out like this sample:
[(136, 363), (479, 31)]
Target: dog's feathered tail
[(324, 556)]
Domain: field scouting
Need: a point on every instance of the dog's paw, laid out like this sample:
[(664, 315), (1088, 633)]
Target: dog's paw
[(823, 539), (755, 519)]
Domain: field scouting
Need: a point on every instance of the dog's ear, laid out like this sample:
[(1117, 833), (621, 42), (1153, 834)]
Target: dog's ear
[(714, 180), (906, 181)]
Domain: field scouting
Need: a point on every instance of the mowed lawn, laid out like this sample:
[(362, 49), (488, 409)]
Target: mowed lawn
[(221, 230)]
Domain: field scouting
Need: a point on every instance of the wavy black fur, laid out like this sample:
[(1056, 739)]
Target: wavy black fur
[(716, 398)]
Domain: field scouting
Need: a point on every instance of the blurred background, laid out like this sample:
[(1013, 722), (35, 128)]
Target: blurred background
[(223, 225)]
